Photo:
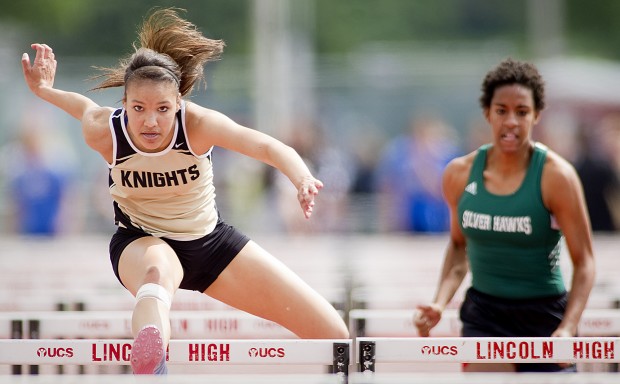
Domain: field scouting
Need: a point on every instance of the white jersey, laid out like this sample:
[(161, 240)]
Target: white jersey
[(166, 194)]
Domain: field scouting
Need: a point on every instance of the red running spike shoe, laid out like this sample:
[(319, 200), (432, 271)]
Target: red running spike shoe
[(147, 354)]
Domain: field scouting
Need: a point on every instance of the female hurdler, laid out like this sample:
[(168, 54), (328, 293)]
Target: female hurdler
[(170, 234)]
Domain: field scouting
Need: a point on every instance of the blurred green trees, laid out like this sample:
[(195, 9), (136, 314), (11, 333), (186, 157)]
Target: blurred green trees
[(94, 27)]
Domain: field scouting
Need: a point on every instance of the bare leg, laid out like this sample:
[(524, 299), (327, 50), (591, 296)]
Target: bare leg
[(258, 283), (150, 260)]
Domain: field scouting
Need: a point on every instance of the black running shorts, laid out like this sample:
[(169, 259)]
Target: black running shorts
[(202, 260), (484, 315)]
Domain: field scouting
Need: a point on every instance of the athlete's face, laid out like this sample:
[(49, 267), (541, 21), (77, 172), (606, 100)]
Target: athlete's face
[(151, 107), (512, 115)]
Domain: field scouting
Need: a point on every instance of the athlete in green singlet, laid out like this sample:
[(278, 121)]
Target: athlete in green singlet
[(511, 202)]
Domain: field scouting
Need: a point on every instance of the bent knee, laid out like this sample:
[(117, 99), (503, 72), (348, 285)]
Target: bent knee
[(142, 262), (157, 275), (342, 333), (154, 274), (332, 330), (166, 277)]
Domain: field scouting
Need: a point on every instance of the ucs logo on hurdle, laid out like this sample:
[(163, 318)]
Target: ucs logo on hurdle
[(440, 350), (55, 352), (267, 352)]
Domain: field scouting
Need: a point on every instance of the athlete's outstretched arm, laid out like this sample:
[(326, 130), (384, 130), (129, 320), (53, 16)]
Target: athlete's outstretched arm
[(40, 79), (209, 128)]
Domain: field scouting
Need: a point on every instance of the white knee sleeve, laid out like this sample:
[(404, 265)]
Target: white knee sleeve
[(154, 291)]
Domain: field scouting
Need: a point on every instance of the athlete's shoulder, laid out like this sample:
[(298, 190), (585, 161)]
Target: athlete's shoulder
[(559, 177), (461, 164), (202, 125), (560, 185), (556, 165), (456, 175), (96, 129), (97, 115), (196, 115)]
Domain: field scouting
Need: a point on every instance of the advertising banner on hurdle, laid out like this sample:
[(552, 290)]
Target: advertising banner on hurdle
[(487, 350), (198, 352)]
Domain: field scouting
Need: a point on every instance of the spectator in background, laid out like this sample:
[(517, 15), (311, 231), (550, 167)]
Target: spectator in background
[(362, 208), (595, 167), (331, 164), (409, 177), (610, 132), (37, 189)]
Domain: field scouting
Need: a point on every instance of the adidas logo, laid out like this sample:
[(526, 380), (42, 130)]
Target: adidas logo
[(472, 188)]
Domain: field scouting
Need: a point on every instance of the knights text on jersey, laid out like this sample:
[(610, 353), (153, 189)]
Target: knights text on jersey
[(166, 194)]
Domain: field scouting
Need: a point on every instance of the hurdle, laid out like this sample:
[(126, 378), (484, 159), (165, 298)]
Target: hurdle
[(223, 324), (486, 350), (334, 353)]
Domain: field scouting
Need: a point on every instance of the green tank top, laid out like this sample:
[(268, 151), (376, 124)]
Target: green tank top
[(512, 247)]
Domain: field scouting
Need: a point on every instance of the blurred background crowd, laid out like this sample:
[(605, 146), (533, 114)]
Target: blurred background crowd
[(376, 95)]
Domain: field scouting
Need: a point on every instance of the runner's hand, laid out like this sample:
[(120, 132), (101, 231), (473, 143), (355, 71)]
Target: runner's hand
[(426, 318), (42, 71), (308, 189)]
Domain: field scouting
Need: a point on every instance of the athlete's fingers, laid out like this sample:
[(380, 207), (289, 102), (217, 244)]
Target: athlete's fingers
[(308, 212), (42, 52), (47, 52), (316, 186), (308, 189), (25, 62)]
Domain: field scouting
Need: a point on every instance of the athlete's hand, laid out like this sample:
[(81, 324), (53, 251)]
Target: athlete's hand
[(42, 71), (426, 318), (308, 189), (563, 332)]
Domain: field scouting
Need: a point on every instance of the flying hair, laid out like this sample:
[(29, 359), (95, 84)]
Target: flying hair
[(169, 48)]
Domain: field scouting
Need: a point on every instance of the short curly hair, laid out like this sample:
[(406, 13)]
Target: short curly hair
[(510, 72)]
